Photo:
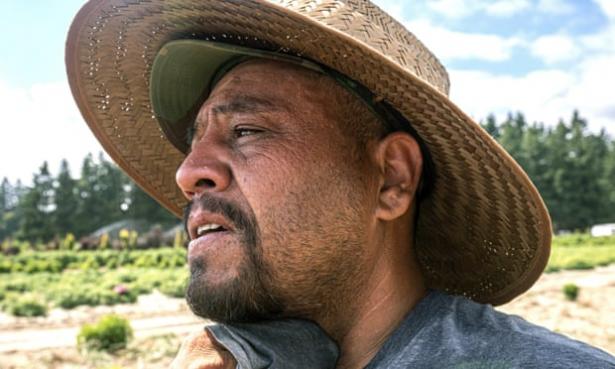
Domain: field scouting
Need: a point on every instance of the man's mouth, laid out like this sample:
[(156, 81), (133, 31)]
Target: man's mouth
[(208, 228), (207, 233), (201, 224)]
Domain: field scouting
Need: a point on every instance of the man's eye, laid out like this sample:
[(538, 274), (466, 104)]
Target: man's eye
[(245, 131)]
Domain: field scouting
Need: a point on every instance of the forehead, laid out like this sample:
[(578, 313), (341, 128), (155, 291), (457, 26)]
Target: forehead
[(269, 86), (270, 72)]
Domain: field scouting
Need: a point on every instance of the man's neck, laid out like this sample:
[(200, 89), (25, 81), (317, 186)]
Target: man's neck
[(394, 287)]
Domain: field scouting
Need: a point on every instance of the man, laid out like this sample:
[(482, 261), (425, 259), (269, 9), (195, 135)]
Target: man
[(332, 187)]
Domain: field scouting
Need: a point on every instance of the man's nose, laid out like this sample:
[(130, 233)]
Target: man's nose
[(205, 169)]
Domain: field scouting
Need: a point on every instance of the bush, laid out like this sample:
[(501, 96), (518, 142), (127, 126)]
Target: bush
[(18, 285), (571, 291), (68, 243), (26, 306), (69, 298), (110, 333)]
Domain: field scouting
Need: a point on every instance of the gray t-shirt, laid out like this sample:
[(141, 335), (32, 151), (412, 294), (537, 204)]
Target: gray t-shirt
[(442, 331), (445, 331)]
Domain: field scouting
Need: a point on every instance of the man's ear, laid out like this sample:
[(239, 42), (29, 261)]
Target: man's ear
[(400, 161)]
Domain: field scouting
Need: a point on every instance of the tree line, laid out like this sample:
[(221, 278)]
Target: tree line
[(573, 168), (54, 206)]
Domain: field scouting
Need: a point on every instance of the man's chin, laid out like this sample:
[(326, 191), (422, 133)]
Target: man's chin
[(230, 297)]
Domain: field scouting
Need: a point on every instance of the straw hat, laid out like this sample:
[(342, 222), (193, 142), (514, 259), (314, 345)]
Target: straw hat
[(484, 231)]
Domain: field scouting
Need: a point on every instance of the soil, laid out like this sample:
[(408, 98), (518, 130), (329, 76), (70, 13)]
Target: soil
[(591, 318), (160, 323)]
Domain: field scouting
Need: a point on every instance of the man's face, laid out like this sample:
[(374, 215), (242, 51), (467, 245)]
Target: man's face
[(271, 165)]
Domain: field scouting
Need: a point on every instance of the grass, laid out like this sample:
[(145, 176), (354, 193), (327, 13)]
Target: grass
[(582, 239), (581, 251)]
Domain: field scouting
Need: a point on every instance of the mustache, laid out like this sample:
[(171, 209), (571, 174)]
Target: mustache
[(242, 221)]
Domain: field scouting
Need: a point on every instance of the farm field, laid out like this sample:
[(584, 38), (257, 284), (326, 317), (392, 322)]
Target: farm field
[(580, 251), (588, 319), (49, 295)]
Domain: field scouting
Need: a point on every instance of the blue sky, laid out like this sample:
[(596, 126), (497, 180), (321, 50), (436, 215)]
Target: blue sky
[(541, 57), (34, 32)]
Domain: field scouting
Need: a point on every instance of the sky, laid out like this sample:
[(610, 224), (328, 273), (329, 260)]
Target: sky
[(544, 58)]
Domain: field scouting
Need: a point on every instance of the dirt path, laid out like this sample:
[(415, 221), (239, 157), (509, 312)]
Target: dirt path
[(590, 319), (147, 306), (37, 339)]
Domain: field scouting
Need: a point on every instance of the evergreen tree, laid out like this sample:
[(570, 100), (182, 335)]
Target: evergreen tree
[(491, 126), (66, 200), (5, 189), (574, 170), (533, 156), (511, 135), (143, 206), (36, 209), (5, 208), (89, 208), (608, 181), (580, 196), (111, 181)]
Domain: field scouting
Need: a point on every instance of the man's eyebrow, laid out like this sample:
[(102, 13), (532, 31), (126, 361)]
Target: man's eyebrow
[(246, 104), (238, 104)]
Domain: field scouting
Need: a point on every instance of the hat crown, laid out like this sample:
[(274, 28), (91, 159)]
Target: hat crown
[(368, 24)]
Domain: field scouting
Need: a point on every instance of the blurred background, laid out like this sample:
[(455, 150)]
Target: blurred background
[(85, 251)]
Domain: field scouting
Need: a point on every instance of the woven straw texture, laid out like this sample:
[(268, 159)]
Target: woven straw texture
[(484, 232)]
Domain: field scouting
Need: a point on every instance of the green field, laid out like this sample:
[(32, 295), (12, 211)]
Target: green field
[(581, 251), (33, 282), (24, 294)]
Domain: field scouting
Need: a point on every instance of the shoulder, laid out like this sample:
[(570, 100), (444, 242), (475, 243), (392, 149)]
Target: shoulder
[(514, 340), (465, 334)]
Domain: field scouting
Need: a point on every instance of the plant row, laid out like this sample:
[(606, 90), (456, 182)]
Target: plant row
[(33, 294), (58, 261), (583, 239), (580, 257)]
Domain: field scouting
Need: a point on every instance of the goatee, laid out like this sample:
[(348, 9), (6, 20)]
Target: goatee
[(247, 297)]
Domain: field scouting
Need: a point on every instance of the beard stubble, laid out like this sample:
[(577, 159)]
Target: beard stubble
[(249, 296)]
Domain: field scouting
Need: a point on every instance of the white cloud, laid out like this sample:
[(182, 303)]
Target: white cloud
[(607, 6), (392, 7), (450, 45), (542, 95), (535, 94), (457, 9), (555, 48), (454, 8), (547, 94), (506, 8), (601, 42), (594, 91), (557, 7), (41, 123)]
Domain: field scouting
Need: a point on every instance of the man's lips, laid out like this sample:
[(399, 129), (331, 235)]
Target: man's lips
[(207, 243), (203, 223)]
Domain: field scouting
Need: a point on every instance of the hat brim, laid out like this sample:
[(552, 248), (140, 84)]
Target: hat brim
[(185, 71), (484, 231)]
